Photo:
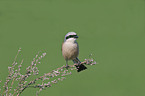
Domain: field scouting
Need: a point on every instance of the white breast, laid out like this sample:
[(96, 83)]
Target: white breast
[(70, 50)]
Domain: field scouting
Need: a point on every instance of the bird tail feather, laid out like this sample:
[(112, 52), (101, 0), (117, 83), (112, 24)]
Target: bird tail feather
[(80, 67)]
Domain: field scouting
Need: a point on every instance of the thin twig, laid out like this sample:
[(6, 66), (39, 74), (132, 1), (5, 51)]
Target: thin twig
[(86, 62), (15, 75), (6, 89)]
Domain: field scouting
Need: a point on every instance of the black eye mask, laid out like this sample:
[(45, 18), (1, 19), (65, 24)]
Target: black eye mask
[(71, 36)]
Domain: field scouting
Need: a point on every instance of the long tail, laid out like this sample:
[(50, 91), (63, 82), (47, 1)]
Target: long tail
[(80, 67)]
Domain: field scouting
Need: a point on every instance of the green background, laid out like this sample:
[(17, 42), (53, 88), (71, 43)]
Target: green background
[(112, 30)]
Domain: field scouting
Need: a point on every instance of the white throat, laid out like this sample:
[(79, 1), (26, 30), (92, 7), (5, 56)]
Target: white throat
[(72, 40)]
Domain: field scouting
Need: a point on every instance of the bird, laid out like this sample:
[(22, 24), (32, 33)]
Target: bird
[(70, 50)]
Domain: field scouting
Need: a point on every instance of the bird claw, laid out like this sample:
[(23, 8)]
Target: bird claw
[(67, 67)]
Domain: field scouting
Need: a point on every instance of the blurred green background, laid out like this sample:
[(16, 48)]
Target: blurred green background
[(112, 30)]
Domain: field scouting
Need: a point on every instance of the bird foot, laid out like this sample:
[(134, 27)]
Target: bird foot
[(67, 67)]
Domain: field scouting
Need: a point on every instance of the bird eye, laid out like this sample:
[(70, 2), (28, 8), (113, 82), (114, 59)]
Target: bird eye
[(70, 36)]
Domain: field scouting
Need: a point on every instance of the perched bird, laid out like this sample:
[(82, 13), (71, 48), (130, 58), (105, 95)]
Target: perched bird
[(70, 50)]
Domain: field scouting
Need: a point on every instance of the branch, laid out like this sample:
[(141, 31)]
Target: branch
[(61, 71), (41, 82)]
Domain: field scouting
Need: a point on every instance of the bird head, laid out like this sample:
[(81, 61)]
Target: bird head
[(70, 36)]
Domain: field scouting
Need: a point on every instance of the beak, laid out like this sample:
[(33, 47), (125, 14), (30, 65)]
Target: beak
[(76, 37)]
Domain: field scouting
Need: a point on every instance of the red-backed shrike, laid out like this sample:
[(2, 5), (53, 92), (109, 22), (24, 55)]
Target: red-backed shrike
[(70, 50)]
